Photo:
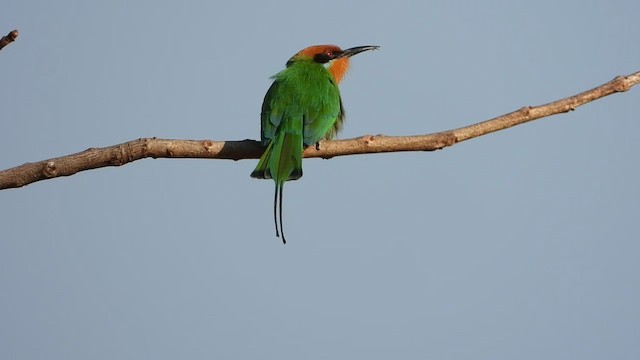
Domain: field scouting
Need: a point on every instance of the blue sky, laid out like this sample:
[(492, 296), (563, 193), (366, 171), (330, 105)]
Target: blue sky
[(520, 244)]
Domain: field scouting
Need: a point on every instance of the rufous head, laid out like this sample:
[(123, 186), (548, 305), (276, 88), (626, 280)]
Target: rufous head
[(335, 59)]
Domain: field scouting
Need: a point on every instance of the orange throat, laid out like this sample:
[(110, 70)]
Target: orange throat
[(338, 68)]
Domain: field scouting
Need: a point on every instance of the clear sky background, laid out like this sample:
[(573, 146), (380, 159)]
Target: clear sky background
[(522, 244)]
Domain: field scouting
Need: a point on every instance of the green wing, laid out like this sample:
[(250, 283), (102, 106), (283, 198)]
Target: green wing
[(281, 130), (271, 114), (324, 118), (312, 98)]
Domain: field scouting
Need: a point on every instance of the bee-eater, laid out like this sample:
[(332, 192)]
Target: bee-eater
[(302, 107)]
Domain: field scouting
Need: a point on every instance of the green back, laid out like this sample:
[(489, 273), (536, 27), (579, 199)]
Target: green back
[(304, 94)]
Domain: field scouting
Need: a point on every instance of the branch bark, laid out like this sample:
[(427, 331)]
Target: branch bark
[(8, 39), (127, 152)]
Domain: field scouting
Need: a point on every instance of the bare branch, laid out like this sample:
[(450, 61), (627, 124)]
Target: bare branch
[(9, 38), (250, 149)]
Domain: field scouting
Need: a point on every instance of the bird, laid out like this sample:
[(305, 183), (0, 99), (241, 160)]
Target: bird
[(302, 107)]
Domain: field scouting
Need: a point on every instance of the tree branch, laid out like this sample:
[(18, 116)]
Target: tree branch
[(124, 153), (9, 38)]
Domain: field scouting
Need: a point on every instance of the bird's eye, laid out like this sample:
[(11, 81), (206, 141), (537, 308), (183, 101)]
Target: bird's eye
[(329, 54)]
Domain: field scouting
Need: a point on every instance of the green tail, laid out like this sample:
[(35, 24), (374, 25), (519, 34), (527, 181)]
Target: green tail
[(281, 161)]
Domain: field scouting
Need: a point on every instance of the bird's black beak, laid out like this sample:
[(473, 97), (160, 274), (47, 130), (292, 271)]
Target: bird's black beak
[(356, 50)]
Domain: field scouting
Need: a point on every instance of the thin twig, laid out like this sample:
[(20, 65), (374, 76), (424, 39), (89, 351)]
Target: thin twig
[(124, 153), (8, 39)]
